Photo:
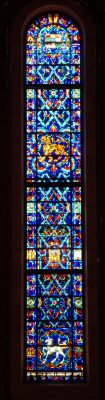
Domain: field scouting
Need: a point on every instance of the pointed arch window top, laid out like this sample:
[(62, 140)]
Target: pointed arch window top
[(54, 294), (53, 51)]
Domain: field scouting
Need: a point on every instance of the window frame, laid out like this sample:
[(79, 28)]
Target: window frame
[(17, 301), (75, 184)]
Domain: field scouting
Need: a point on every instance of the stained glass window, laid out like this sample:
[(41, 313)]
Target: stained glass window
[(54, 268)]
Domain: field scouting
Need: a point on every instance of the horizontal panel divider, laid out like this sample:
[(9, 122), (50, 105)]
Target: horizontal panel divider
[(52, 86), (53, 184), (55, 271)]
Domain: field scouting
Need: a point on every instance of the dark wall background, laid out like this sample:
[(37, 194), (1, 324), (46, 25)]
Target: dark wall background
[(8, 12)]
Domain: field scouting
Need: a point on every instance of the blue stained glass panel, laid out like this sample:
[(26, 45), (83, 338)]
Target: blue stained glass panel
[(76, 194), (31, 194), (31, 208), (77, 259), (53, 144), (42, 21), (75, 74), (53, 308), (75, 53), (62, 20), (78, 333), (59, 324), (56, 337), (77, 285), (54, 194), (53, 213), (54, 357), (76, 213), (31, 168), (31, 214), (53, 33), (31, 236), (75, 121), (31, 121), (31, 332), (76, 168), (75, 103), (77, 351), (75, 93), (31, 285), (31, 315), (31, 364), (31, 264), (31, 258), (53, 169), (77, 236), (78, 363), (31, 145), (53, 121), (57, 237), (73, 30), (48, 74), (31, 55), (54, 258), (31, 49), (77, 308), (76, 144), (30, 74), (31, 99), (30, 351), (53, 53), (31, 302), (51, 74), (54, 284), (32, 33), (53, 99)]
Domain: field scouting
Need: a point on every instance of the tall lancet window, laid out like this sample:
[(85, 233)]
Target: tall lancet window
[(54, 242)]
